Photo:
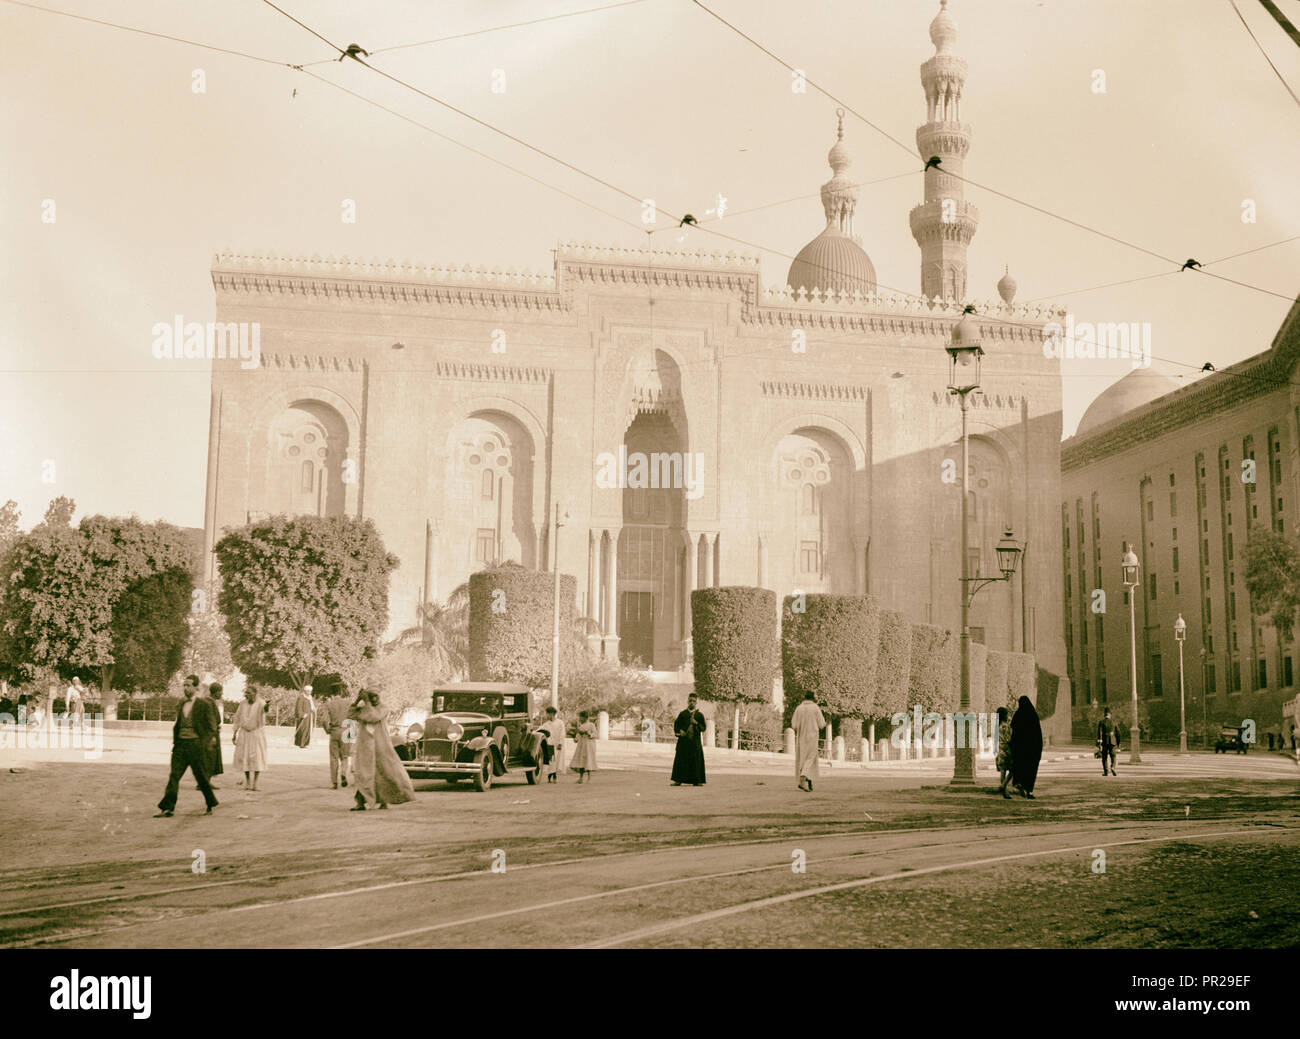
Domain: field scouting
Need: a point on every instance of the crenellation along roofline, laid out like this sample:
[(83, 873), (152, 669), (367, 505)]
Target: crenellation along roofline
[(732, 273)]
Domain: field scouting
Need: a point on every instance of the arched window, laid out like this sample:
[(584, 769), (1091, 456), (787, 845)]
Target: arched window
[(489, 484), (308, 477), (808, 500)]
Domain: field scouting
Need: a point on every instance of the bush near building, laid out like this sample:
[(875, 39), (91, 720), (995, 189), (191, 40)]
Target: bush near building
[(979, 663), (735, 644), (935, 675), (1022, 680), (893, 665), (511, 625), (995, 680), (829, 647)]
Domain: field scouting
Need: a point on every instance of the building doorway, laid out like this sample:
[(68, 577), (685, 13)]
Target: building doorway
[(636, 628)]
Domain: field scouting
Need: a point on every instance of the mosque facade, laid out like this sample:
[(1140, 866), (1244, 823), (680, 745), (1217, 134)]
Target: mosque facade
[(691, 425)]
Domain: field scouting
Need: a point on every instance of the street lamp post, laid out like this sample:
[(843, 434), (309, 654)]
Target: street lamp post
[(1131, 568), (555, 634), (964, 378), (1180, 636)]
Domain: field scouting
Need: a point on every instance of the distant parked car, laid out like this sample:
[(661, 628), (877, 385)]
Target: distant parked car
[(1230, 739), (476, 730)]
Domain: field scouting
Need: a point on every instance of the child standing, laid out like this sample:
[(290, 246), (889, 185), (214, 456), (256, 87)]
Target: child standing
[(584, 758)]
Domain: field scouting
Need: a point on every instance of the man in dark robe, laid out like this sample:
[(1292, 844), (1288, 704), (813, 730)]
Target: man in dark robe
[(688, 763), (213, 758), (1026, 747)]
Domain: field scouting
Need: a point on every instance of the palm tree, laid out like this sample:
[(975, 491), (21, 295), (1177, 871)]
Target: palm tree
[(443, 629)]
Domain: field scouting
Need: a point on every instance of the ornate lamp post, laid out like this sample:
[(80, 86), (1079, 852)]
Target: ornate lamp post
[(964, 378), (1180, 636), (560, 520), (1131, 567)]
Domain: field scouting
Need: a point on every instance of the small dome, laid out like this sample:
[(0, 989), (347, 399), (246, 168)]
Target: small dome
[(833, 262), (1007, 288), (943, 30), (1140, 386), (839, 157)]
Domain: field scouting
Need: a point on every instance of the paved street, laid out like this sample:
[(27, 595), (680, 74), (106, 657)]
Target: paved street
[(891, 856)]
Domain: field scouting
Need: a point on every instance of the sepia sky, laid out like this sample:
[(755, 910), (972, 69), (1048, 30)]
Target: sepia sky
[(658, 98)]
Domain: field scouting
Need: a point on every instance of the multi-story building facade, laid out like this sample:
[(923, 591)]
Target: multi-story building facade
[(1186, 475)]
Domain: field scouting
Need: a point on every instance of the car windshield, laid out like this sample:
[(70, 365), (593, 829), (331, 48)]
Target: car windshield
[(480, 703)]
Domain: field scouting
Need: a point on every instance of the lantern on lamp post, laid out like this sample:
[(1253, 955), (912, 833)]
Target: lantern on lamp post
[(964, 355), (1131, 569)]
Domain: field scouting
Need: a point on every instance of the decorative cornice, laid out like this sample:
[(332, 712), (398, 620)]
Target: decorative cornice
[(980, 399), (1255, 377), (491, 372), (897, 315), (312, 362), (813, 391)]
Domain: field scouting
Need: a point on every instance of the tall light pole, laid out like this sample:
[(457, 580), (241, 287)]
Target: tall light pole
[(1131, 569), (1180, 636), (964, 378), (555, 636)]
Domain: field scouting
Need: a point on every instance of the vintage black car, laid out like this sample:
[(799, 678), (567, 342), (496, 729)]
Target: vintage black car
[(1230, 739), (477, 730)]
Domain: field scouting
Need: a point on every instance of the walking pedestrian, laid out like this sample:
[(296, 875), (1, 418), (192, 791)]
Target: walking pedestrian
[(190, 736), (1026, 747), (1107, 741), (584, 757), (807, 721), (1004, 751), (342, 734), (304, 717), (688, 762), (74, 701), (377, 771), (250, 737)]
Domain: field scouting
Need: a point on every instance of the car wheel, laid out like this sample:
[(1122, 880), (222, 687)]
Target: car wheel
[(483, 777), (534, 775)]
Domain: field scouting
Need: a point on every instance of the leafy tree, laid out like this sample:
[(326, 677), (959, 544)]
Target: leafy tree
[(304, 596), (150, 628), (59, 512), (443, 632), (600, 684), (1273, 579), (65, 585), (9, 532)]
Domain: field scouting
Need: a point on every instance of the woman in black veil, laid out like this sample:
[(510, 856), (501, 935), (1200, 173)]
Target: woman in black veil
[(1026, 747)]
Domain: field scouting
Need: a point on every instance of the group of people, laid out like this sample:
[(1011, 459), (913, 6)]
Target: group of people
[(1020, 749), (196, 742), (550, 736)]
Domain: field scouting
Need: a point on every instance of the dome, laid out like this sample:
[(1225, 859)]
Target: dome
[(1007, 288), (833, 262), (943, 30), (1140, 386)]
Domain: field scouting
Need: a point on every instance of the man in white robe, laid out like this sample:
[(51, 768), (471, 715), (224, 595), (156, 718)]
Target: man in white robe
[(250, 737), (807, 723)]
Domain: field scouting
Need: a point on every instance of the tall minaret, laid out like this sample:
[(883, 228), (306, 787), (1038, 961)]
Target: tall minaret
[(945, 222)]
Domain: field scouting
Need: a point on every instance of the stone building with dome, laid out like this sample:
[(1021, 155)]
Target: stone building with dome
[(1157, 462), (797, 436)]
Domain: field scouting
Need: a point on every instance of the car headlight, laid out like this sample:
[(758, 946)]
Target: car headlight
[(415, 732), (454, 732)]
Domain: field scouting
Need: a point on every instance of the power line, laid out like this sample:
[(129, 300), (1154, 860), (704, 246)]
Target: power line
[(1162, 274), (495, 28), (146, 32), (1010, 198), (1265, 53), (459, 144), (332, 46)]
